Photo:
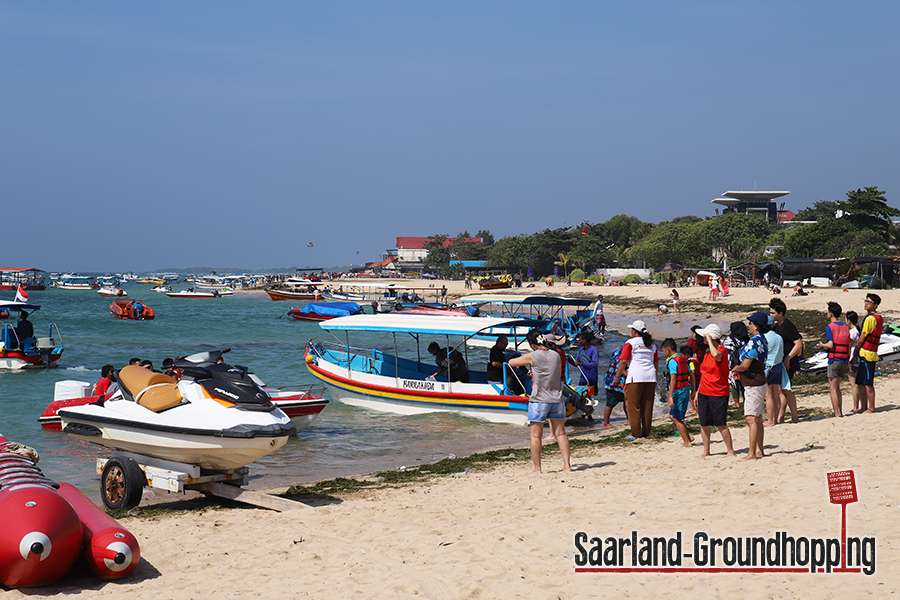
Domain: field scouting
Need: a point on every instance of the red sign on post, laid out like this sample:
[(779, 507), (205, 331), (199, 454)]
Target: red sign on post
[(842, 487), (842, 490)]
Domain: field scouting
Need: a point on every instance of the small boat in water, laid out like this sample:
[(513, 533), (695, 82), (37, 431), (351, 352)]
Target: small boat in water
[(74, 282), (107, 290), (215, 416), (123, 308), (191, 293), (163, 288), (19, 350), (323, 311)]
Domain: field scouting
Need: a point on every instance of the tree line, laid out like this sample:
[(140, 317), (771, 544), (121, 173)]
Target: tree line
[(858, 226)]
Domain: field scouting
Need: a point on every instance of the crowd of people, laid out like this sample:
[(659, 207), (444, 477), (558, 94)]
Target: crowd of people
[(752, 366)]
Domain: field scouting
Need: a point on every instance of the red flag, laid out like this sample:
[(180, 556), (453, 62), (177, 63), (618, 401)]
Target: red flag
[(584, 230), (21, 295)]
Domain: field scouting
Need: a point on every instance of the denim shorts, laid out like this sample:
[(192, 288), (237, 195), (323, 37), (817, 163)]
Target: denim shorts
[(539, 412), (613, 397)]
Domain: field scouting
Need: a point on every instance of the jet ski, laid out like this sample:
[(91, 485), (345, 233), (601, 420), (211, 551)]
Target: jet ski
[(216, 416), (888, 350)]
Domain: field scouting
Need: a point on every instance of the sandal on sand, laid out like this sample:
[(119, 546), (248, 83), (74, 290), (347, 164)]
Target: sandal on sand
[(630, 438)]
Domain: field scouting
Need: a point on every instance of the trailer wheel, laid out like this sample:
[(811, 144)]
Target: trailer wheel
[(121, 483)]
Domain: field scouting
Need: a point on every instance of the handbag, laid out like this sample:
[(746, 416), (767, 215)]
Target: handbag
[(755, 375)]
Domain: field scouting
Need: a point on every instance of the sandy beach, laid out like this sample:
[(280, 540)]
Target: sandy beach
[(504, 534)]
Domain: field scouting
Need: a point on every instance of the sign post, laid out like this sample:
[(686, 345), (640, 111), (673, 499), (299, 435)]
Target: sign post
[(842, 490)]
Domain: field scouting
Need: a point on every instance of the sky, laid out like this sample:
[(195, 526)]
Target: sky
[(154, 135)]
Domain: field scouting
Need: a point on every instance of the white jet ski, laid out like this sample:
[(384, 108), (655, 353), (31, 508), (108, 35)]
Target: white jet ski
[(215, 416), (888, 349)]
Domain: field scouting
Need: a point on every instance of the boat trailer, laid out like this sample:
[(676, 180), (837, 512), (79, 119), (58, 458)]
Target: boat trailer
[(124, 475)]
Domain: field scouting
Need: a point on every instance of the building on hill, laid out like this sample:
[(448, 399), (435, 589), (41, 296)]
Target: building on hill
[(754, 202)]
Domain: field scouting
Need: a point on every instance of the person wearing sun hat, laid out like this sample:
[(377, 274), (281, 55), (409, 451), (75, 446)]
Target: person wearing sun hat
[(642, 361), (714, 390)]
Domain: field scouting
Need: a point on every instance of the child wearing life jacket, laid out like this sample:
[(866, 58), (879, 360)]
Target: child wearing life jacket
[(681, 382)]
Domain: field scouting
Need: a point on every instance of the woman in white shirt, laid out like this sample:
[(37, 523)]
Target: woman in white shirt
[(640, 357)]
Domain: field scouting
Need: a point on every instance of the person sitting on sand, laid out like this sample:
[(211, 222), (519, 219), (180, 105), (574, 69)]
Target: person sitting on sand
[(662, 310)]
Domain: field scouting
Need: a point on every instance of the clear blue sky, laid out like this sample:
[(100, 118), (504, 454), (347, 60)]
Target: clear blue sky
[(139, 135)]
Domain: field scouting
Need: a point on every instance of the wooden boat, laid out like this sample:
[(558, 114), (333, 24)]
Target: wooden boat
[(298, 291), (124, 308), (387, 381), (323, 311)]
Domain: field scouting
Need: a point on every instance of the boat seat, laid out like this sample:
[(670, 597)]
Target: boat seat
[(155, 391)]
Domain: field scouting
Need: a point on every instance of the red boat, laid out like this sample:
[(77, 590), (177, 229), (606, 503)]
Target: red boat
[(291, 295), (323, 311), (123, 308)]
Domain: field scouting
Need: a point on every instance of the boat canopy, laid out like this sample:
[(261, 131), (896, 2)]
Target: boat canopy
[(427, 324), (525, 300), (19, 306), (330, 309)]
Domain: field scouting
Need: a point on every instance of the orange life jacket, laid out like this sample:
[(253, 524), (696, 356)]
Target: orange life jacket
[(873, 340), (683, 376), (840, 339)]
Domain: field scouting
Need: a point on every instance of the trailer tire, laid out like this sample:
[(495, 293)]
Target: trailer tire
[(121, 483)]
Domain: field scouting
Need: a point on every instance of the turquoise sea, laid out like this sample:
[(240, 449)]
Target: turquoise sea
[(342, 441)]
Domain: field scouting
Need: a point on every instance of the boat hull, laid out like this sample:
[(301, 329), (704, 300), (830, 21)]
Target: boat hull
[(207, 451), (283, 295), (14, 360), (377, 392)]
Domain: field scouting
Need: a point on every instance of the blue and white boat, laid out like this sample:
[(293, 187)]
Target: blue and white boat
[(398, 381), (562, 316)]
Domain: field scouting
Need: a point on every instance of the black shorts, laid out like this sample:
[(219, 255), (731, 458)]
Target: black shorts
[(713, 410)]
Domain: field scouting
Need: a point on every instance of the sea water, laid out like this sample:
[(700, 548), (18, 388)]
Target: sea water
[(341, 441)]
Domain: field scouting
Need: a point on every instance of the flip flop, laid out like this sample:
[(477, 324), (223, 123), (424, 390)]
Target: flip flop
[(630, 438)]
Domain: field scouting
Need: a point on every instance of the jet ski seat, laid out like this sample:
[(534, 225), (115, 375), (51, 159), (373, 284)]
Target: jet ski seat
[(155, 391)]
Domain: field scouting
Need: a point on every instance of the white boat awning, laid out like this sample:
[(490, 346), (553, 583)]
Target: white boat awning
[(426, 324)]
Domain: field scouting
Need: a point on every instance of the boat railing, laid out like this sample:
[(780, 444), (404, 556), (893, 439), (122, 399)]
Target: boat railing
[(305, 389)]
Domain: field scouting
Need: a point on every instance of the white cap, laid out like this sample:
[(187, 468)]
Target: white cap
[(712, 330), (638, 326)]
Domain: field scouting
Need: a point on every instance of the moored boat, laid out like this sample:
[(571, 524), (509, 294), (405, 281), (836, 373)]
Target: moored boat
[(391, 382), (107, 290), (191, 293), (323, 311), (74, 282), (136, 310), (19, 347)]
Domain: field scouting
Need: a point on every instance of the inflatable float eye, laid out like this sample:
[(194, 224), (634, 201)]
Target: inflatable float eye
[(121, 556), (35, 543)]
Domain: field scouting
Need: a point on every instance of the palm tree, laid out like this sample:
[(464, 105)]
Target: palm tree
[(562, 262)]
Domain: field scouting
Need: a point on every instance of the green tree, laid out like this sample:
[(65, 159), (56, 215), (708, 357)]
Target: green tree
[(487, 238), (438, 255), (736, 234), (823, 209), (867, 208), (826, 239)]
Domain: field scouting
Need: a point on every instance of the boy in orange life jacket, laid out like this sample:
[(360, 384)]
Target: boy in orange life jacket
[(838, 347), (867, 351), (681, 382)]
